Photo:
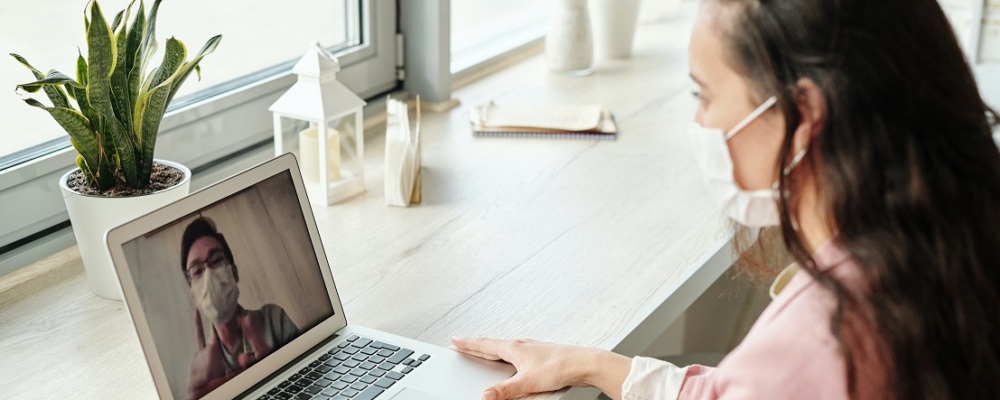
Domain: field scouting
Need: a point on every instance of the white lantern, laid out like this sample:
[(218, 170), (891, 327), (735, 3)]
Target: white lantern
[(327, 105)]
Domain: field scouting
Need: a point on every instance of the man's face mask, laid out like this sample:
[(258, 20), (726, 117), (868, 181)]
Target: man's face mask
[(753, 208), (215, 293)]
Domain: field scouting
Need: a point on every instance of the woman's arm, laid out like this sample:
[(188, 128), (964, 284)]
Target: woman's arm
[(544, 367)]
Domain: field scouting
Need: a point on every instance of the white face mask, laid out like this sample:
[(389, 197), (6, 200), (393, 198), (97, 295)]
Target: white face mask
[(753, 208), (216, 293)]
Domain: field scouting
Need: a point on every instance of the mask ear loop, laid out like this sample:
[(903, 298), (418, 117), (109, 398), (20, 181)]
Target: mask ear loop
[(795, 161), (753, 115), (785, 171), (788, 169)]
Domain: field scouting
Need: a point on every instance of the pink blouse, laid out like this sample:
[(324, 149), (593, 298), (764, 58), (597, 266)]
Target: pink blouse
[(790, 353)]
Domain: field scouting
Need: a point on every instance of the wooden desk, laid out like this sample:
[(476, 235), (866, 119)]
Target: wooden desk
[(591, 243)]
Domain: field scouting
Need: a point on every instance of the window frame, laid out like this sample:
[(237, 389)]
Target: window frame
[(196, 132)]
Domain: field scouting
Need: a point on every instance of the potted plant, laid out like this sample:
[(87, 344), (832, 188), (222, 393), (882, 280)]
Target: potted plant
[(112, 113)]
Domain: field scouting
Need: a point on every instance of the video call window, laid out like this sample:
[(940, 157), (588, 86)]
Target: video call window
[(226, 286)]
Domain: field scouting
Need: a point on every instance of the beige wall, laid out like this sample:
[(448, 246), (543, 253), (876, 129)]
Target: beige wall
[(271, 248)]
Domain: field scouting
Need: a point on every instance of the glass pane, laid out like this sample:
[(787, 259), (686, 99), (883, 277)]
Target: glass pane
[(477, 24), (257, 34), (961, 14)]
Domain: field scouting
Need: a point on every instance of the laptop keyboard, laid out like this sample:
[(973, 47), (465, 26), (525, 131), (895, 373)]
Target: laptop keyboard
[(357, 369)]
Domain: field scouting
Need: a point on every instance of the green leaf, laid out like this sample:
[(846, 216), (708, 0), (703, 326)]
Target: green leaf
[(85, 108), (124, 20), (119, 78), (189, 66), (54, 78), (101, 52), (109, 148), (55, 93), (81, 68), (85, 140), (80, 162), (76, 125), (152, 105), (101, 60), (38, 74), (149, 80), (81, 93), (118, 20), (58, 96), (152, 102), (148, 46), (173, 58), (133, 52)]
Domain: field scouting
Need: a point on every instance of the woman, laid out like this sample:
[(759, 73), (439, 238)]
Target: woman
[(867, 122)]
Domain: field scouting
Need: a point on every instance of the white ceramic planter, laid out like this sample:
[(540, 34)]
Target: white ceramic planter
[(93, 216), (614, 23)]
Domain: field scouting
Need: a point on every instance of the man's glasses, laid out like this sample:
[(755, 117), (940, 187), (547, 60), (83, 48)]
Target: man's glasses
[(216, 259)]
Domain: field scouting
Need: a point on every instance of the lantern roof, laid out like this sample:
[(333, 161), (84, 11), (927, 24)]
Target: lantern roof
[(316, 62), (317, 95)]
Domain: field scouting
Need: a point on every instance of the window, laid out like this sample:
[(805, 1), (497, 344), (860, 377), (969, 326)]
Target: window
[(482, 29), (210, 119), (977, 25)]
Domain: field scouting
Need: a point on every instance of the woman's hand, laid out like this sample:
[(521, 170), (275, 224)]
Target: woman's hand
[(544, 367)]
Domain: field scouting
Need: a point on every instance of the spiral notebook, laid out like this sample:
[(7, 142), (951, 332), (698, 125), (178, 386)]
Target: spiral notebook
[(585, 122)]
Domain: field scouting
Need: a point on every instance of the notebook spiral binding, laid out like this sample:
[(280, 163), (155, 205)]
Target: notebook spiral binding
[(549, 135)]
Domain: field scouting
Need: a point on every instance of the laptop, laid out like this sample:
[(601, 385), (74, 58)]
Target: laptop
[(232, 296)]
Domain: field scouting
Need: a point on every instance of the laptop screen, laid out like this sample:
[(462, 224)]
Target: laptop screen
[(227, 285)]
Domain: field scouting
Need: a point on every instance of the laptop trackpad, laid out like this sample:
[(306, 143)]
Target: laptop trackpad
[(413, 394)]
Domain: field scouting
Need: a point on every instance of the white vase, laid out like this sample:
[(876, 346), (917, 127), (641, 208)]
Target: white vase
[(93, 216), (614, 23), (569, 46)]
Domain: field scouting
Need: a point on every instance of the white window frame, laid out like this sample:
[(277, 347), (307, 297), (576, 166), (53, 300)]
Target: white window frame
[(195, 133)]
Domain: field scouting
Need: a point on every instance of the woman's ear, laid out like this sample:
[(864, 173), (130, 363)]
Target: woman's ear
[(812, 110)]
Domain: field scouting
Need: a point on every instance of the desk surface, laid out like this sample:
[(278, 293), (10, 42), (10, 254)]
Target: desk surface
[(591, 243)]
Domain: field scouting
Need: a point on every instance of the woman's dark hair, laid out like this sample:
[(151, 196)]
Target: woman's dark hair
[(197, 229), (908, 173)]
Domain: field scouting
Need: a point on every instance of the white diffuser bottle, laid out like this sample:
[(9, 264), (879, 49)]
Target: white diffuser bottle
[(569, 45)]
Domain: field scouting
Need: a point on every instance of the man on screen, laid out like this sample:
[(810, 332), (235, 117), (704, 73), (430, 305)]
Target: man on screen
[(239, 337)]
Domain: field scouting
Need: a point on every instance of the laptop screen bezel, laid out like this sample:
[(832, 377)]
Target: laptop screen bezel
[(208, 196)]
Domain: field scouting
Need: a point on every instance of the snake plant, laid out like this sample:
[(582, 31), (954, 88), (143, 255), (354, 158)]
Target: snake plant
[(118, 106)]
